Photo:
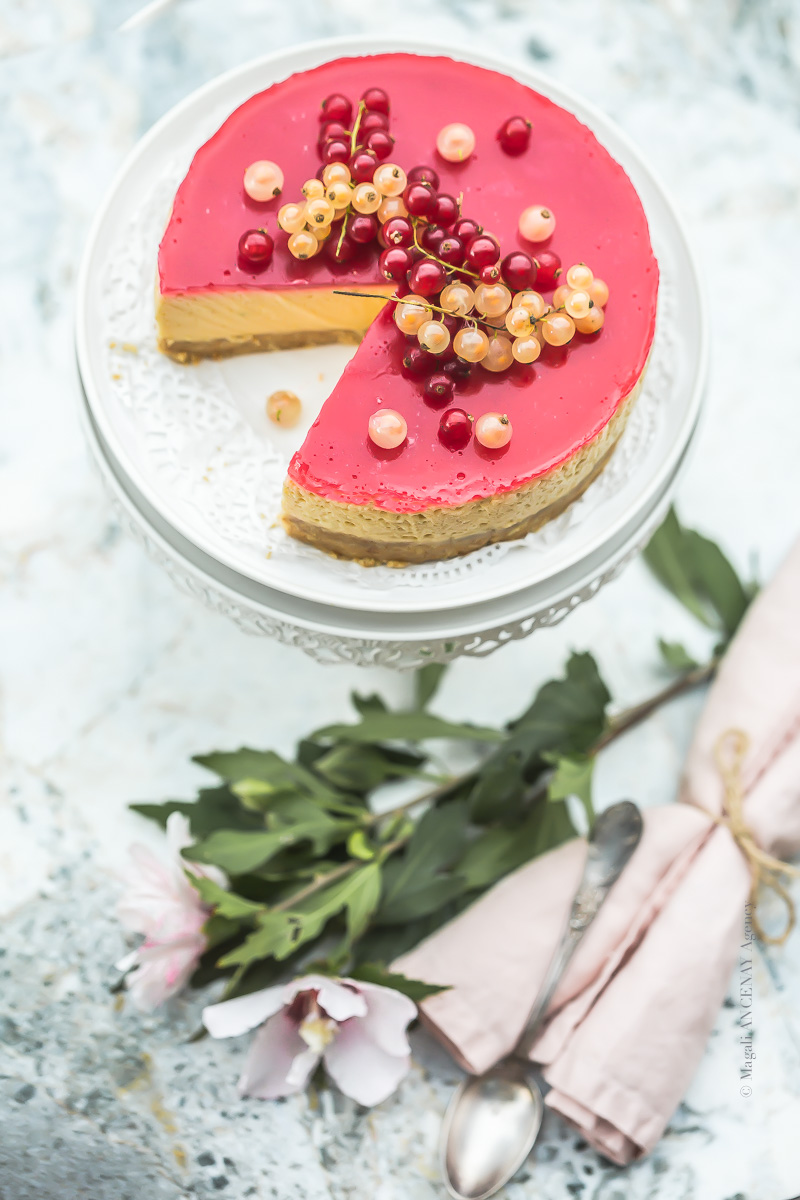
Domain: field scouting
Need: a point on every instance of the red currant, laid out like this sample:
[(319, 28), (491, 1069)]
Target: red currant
[(482, 251), (395, 262), (467, 229), (330, 130), (426, 277), (490, 274), (418, 361), (548, 269), (439, 388), (398, 232), (362, 228), (431, 238), (455, 429), (362, 166), (451, 251), (372, 120), (446, 210), (458, 369), (336, 107), (340, 251), (255, 248), (514, 135), (423, 175), (376, 100), (336, 150), (519, 270), (419, 199), (380, 143)]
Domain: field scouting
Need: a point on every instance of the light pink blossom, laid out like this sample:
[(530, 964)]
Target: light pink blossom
[(161, 903), (357, 1029)]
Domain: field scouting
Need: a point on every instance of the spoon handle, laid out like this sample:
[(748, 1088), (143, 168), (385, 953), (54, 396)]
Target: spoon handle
[(614, 837)]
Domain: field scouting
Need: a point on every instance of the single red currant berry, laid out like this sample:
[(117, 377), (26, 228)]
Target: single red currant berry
[(255, 248), (490, 274), (395, 262), (336, 107), (362, 228), (455, 429), (331, 130), (371, 121), (458, 369), (518, 270), (376, 100), (451, 251), (439, 388), (380, 142), (418, 361), (398, 232), (431, 238), (362, 166), (426, 277), (446, 210), (482, 251), (548, 269), (514, 135), (336, 150), (340, 249), (419, 199), (423, 175), (467, 229)]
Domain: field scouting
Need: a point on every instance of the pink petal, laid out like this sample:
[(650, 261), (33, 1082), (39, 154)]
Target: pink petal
[(279, 1062), (338, 1001), (360, 1068), (232, 1018), (162, 971), (388, 1015)]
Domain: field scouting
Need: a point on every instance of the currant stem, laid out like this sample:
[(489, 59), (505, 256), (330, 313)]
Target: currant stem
[(356, 123), (448, 266)]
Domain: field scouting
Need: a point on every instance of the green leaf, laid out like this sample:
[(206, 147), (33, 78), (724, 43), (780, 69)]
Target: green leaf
[(426, 683), (359, 847), (360, 768), (415, 989), (263, 765), (368, 704), (572, 777), (566, 718), (218, 929), (406, 726), (214, 808), (290, 821), (278, 935), (225, 903), (412, 885), (676, 656), (698, 574), (499, 851)]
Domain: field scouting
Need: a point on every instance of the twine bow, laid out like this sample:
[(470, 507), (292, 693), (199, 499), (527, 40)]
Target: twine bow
[(766, 870)]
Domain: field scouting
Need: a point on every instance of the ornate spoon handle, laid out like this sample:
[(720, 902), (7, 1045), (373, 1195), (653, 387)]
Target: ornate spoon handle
[(615, 836)]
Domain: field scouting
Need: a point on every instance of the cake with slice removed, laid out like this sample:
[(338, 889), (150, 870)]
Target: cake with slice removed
[(531, 437)]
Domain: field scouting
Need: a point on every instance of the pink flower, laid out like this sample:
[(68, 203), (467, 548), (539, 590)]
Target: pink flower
[(357, 1029), (162, 904)]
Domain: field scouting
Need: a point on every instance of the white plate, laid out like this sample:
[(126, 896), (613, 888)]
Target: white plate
[(337, 635), (194, 441)]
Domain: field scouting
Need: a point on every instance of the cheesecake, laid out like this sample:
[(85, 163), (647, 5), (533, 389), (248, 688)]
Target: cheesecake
[(537, 424)]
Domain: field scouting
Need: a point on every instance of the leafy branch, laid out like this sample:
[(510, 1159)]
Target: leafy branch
[(323, 868)]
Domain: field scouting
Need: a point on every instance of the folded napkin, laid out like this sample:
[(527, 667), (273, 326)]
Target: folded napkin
[(630, 1019)]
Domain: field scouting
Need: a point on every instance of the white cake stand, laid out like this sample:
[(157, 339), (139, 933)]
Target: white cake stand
[(194, 469)]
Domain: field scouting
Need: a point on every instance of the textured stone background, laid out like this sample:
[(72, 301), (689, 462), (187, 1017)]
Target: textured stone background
[(109, 679)]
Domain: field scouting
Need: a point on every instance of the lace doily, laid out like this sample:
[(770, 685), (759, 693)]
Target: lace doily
[(200, 447)]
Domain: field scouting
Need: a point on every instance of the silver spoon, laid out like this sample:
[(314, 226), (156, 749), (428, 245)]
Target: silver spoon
[(493, 1120)]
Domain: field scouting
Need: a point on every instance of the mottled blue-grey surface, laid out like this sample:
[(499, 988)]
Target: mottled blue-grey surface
[(109, 679)]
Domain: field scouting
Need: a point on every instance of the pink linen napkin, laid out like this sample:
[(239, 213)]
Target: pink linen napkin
[(632, 1015)]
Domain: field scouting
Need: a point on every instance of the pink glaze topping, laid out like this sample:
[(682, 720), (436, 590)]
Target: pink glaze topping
[(555, 405)]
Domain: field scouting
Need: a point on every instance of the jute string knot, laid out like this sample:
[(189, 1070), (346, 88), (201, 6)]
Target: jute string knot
[(766, 870)]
